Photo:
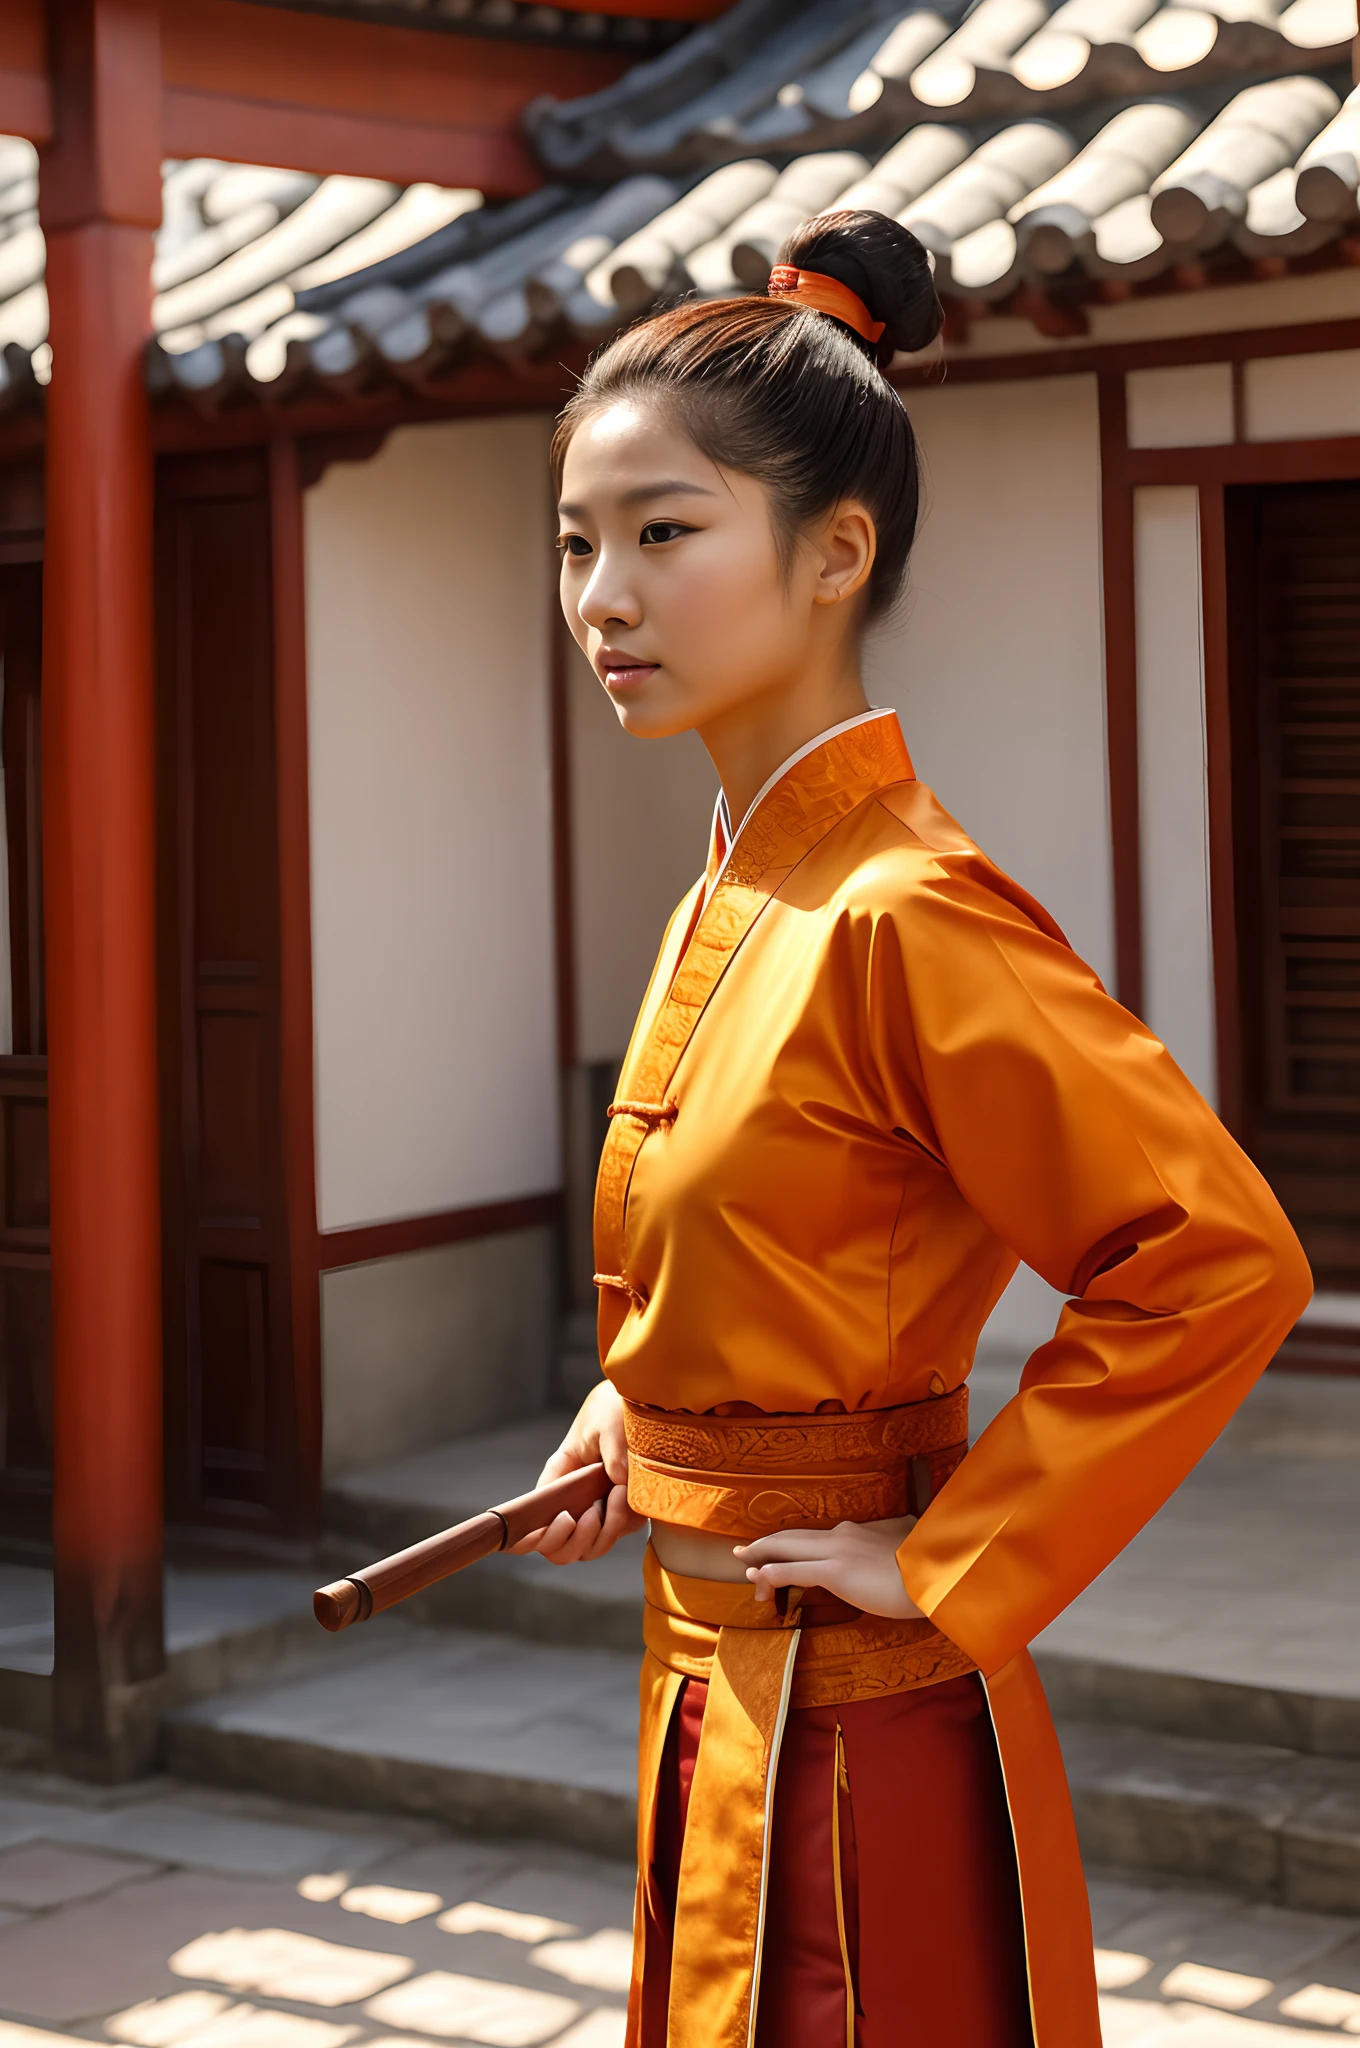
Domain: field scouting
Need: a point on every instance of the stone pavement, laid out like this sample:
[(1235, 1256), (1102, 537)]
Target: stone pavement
[(165, 1916)]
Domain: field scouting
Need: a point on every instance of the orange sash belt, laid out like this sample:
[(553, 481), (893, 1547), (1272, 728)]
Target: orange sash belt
[(757, 1663), (742, 1476), (746, 1475)]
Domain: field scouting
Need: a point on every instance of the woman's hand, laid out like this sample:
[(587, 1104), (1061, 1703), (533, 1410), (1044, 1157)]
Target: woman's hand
[(597, 1433), (857, 1561)]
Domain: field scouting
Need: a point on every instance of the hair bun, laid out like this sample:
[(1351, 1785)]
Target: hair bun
[(884, 263)]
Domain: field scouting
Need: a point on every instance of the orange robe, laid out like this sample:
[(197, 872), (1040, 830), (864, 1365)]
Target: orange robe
[(868, 1078)]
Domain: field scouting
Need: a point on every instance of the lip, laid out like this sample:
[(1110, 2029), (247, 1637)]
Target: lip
[(619, 670)]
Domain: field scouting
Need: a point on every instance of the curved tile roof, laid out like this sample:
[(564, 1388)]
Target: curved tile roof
[(270, 283), (857, 73)]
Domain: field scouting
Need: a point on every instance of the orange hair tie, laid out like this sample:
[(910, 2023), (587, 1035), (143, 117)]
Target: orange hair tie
[(825, 295)]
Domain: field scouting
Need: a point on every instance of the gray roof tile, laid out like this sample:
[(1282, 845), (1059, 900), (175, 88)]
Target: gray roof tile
[(1084, 143)]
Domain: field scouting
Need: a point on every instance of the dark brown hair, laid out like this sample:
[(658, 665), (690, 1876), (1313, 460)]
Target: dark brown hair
[(789, 396)]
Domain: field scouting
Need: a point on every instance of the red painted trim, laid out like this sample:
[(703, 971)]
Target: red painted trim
[(1249, 462), (1306, 338), (564, 881), (1121, 691), (316, 92), (295, 961), (25, 93), (1219, 770), (475, 387), (367, 1241), (99, 832), (497, 161)]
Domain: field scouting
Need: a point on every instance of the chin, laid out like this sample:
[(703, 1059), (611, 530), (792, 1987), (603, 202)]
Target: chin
[(650, 721)]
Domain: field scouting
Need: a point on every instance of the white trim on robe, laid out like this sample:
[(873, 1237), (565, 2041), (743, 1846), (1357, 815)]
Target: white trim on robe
[(723, 835)]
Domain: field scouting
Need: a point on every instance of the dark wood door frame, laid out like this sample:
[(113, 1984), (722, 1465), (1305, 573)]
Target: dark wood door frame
[(25, 1221), (1211, 471)]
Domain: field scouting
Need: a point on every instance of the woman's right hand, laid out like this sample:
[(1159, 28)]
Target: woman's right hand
[(596, 1434)]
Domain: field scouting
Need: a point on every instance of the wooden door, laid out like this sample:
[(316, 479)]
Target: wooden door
[(25, 1244), (1295, 604), (231, 1450)]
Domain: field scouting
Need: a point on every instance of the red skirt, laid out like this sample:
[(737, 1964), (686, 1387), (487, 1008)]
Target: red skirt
[(929, 1926)]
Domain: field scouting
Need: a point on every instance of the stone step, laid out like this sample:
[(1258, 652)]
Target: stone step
[(225, 1626), (1234, 1616), (488, 1734), (498, 1736), (1263, 1821)]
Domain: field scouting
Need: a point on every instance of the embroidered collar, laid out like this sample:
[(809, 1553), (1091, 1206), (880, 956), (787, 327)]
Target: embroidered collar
[(723, 840)]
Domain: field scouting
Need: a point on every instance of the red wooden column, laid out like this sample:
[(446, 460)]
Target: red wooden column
[(100, 204)]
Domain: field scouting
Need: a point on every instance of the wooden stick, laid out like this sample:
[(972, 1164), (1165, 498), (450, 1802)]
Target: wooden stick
[(395, 1578)]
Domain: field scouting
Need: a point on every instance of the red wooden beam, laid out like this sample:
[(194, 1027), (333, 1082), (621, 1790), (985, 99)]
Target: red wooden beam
[(1219, 753), (295, 963), (25, 93), (316, 93), (101, 201), (1121, 692)]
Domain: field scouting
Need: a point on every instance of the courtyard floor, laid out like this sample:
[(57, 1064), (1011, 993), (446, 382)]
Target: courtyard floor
[(168, 1916)]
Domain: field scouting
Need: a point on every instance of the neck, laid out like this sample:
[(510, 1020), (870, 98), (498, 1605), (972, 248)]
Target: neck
[(750, 740)]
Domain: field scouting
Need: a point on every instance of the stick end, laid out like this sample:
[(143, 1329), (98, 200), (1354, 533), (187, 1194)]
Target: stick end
[(339, 1606)]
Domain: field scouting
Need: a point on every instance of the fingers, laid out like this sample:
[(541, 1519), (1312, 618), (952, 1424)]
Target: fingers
[(571, 1540), (766, 1579), (579, 1539), (547, 1542), (619, 1518)]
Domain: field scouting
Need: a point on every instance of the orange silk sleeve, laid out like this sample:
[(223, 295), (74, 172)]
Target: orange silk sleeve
[(1071, 1131)]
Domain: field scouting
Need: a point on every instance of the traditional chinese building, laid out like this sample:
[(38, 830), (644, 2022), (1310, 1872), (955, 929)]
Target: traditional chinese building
[(332, 883)]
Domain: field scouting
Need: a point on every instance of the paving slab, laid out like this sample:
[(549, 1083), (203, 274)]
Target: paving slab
[(520, 1932), (33, 1877), (169, 1830), (480, 1731), (149, 1965)]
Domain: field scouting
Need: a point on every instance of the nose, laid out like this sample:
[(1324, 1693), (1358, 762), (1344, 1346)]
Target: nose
[(607, 599)]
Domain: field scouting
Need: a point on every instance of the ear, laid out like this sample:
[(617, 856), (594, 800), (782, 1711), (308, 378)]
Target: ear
[(847, 544)]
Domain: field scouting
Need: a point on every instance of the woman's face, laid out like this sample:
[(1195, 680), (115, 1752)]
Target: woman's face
[(671, 579)]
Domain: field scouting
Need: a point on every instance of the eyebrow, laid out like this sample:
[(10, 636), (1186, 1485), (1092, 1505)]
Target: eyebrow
[(668, 487)]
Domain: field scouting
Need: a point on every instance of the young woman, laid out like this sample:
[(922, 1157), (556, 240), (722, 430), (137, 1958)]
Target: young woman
[(868, 1078)]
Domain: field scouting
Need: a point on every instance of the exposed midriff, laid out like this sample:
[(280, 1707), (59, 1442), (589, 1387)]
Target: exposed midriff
[(694, 1554)]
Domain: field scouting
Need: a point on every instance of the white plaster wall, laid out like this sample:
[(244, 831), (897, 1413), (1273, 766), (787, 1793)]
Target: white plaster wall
[(1189, 406), (1303, 398), (997, 667), (641, 811), (428, 586), (1172, 785), (435, 1344)]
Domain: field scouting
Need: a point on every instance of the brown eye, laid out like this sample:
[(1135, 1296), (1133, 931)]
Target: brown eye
[(573, 544), (658, 531)]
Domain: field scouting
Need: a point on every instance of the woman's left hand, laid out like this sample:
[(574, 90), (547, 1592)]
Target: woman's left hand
[(857, 1561)]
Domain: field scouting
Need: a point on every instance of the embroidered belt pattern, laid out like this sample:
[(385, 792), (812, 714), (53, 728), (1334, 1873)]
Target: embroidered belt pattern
[(806, 1443), (744, 1476), (868, 1658)]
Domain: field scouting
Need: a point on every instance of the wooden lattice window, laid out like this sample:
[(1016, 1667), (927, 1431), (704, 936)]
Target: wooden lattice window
[(1295, 598)]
